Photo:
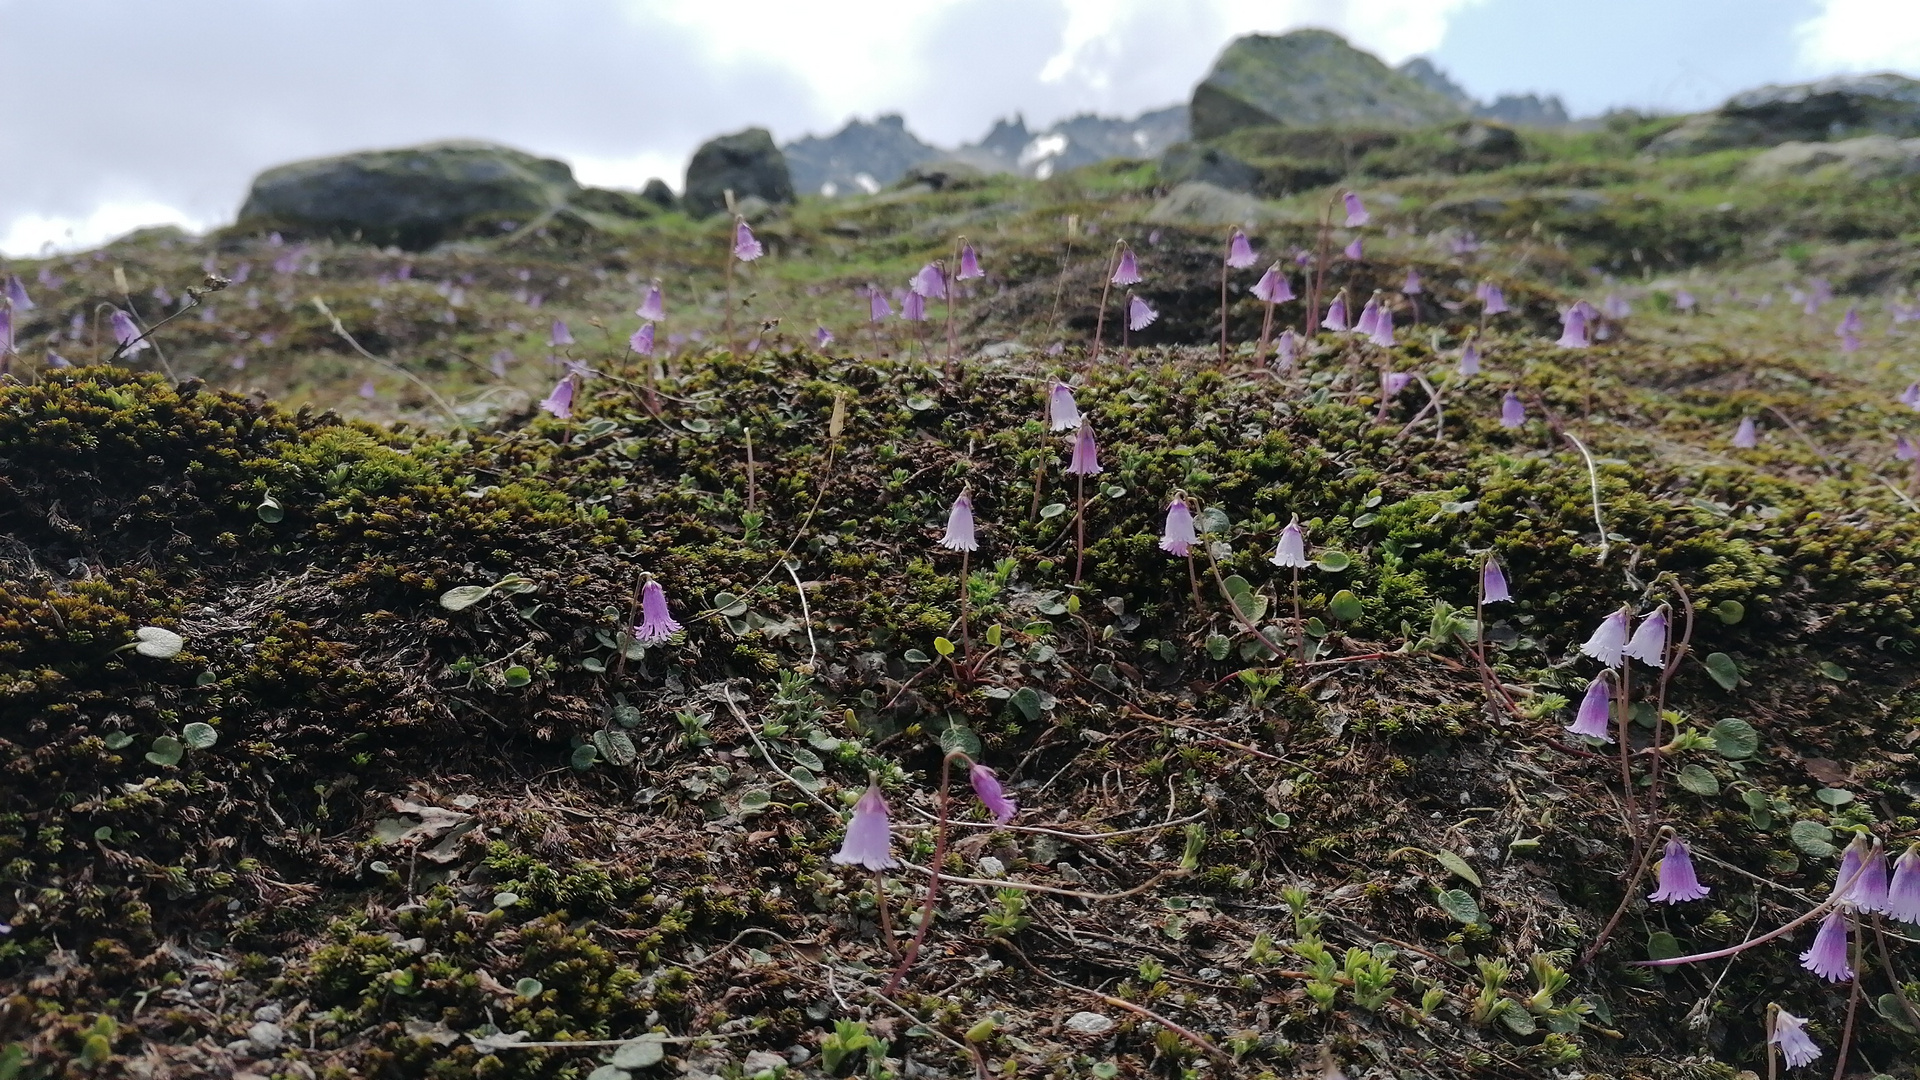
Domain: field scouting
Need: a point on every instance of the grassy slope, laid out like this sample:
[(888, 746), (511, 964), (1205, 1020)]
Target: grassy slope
[(155, 906)]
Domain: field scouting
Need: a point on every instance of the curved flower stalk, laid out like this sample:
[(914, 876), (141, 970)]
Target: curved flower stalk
[(1084, 463), (1291, 554), (1123, 271)]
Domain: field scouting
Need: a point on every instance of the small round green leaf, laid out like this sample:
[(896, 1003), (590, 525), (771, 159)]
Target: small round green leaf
[(584, 756), (1052, 510), (1833, 671), (505, 899), (1345, 606), (641, 1053), (1460, 904), (1697, 779), (943, 646), (1834, 797), (1723, 669), (1730, 611), (199, 736), (269, 510), (167, 750), (462, 597), (1333, 560), (517, 676), (1735, 738), (118, 740), (1812, 838), (529, 988), (1662, 946), (157, 642)]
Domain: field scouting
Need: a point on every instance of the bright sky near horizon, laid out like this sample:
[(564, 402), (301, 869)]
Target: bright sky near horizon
[(125, 113)]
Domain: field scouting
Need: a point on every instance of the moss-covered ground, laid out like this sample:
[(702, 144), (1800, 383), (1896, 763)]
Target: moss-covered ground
[(351, 830)]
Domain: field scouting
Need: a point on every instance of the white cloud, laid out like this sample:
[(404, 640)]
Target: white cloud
[(1862, 35), (33, 234)]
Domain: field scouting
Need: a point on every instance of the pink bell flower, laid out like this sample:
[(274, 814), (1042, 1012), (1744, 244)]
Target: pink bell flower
[(1573, 332), (125, 333), (1128, 272), (1469, 359), (1513, 411), (1674, 876), (560, 336), (1827, 956), (877, 308), (368, 390), (1287, 349), (1596, 708), (654, 307), (745, 247), (822, 337), (869, 839), (1063, 413), (1292, 551), (914, 307), (930, 283), (1903, 896), (1493, 583), (1649, 643), (1904, 449), (1354, 251), (1086, 455), (560, 401), (1356, 211), (1140, 314), (17, 296), (959, 535), (1382, 331), (1745, 437), (1273, 286), (1493, 299), (969, 265), (656, 622), (1178, 537), (1239, 251), (642, 340), (991, 794), (1337, 313), (1392, 383), (1609, 641), (1789, 1036), (1412, 286)]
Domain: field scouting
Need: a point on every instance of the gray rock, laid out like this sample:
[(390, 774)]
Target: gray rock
[(1208, 165), (269, 1013), (762, 1061), (1311, 78), (1198, 203), (1480, 137), (746, 163), (414, 197), (945, 174), (1089, 1023), (861, 157), (658, 193), (1847, 105), (1865, 158), (266, 1037)]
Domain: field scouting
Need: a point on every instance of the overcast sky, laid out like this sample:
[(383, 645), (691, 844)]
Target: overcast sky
[(121, 113)]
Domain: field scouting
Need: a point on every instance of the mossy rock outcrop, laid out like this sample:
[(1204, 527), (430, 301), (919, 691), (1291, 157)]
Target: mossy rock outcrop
[(1310, 78)]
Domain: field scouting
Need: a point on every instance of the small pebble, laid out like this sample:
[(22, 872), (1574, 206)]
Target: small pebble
[(266, 1037), (991, 866), (1089, 1023)]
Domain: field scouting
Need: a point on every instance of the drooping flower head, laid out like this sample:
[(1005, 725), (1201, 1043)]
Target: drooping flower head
[(877, 307), (1493, 299), (654, 307), (1287, 349), (930, 282), (1609, 641), (1910, 397), (17, 296), (1382, 332), (992, 795), (1595, 709), (126, 334), (642, 340), (1128, 271), (1354, 251), (869, 839), (745, 247), (1903, 896), (368, 390), (1745, 437), (1140, 314), (1649, 644), (560, 401), (914, 307), (1063, 413), (1861, 882), (1412, 286), (1356, 211), (1178, 537), (1364, 324), (1392, 383), (1904, 450), (1573, 329), (1273, 286), (1849, 323), (969, 265), (1086, 455), (1513, 411), (1616, 307), (656, 622), (1493, 583), (1293, 546), (1470, 359), (959, 535), (1850, 342), (1788, 1034), (1337, 313), (1827, 956), (1240, 251), (822, 337), (560, 336), (1675, 877)]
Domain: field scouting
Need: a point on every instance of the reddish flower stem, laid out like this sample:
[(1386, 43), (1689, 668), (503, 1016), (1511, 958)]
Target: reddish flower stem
[(933, 880)]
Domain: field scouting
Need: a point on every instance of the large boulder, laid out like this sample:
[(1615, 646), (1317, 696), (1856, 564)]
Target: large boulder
[(745, 163), (413, 197), (1197, 202), (1865, 158), (1311, 78), (1847, 105), (1185, 162)]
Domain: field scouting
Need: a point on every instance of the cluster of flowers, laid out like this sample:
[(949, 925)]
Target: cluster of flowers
[(868, 841)]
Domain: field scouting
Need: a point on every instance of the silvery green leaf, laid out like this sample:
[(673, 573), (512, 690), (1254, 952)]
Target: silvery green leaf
[(199, 736), (462, 597), (161, 644)]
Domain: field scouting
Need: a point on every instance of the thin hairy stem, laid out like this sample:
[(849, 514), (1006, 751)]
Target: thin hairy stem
[(1593, 480)]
